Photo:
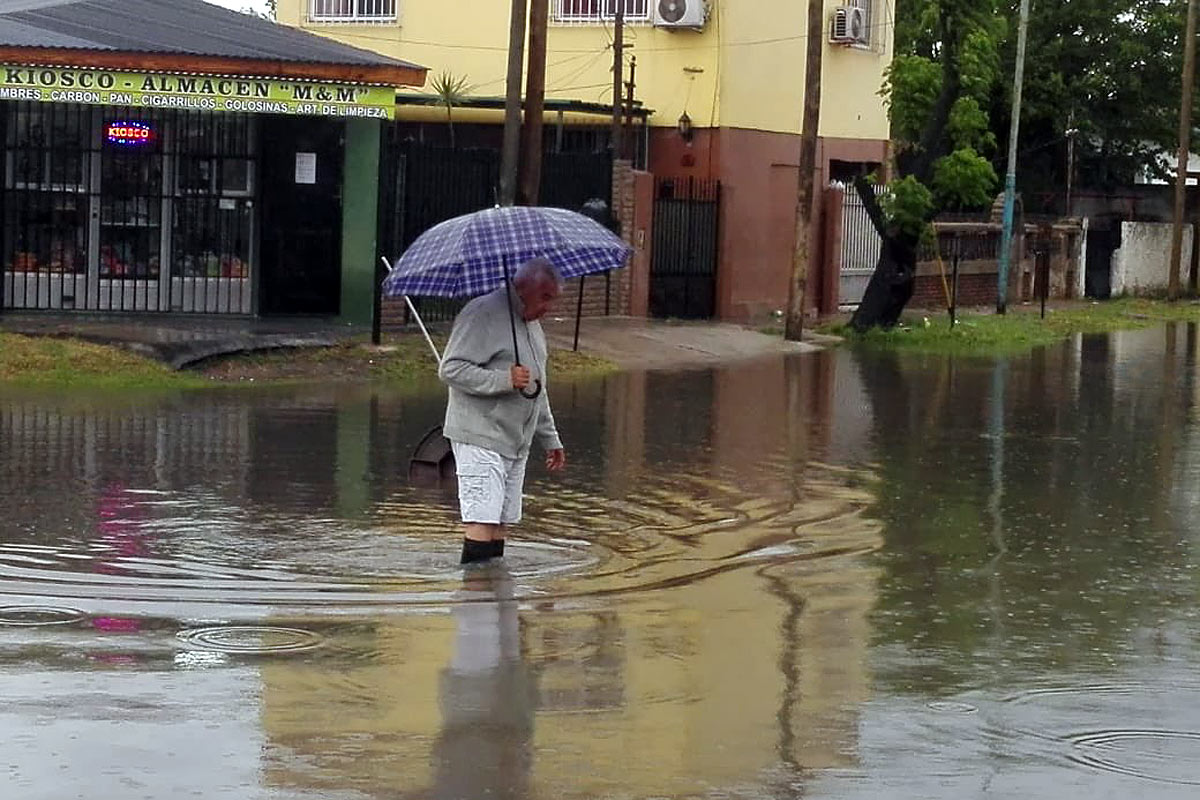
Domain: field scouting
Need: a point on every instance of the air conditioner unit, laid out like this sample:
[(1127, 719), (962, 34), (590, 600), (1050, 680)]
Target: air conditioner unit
[(849, 26), (688, 14)]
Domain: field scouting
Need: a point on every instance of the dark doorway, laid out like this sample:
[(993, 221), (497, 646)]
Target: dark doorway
[(1101, 244), (301, 216)]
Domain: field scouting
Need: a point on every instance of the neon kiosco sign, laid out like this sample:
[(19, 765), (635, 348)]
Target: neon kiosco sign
[(129, 133)]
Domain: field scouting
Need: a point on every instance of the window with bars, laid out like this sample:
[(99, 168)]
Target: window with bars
[(600, 10), (352, 10), (214, 198)]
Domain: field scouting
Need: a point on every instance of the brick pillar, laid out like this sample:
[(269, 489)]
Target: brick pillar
[(829, 285), (611, 294), (643, 236), (624, 208)]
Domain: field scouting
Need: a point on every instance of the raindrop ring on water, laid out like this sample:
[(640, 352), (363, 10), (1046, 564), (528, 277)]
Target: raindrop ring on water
[(30, 616), (251, 639), (952, 707), (1099, 751)]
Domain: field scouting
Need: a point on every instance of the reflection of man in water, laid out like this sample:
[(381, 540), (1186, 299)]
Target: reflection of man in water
[(487, 697)]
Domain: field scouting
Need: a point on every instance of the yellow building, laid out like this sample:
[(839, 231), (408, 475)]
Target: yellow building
[(735, 69)]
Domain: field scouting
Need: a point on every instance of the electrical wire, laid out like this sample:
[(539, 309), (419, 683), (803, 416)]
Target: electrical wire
[(576, 74)]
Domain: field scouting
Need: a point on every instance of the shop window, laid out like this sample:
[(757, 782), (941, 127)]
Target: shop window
[(229, 177), (131, 198), (352, 10), (47, 148), (46, 157), (215, 173)]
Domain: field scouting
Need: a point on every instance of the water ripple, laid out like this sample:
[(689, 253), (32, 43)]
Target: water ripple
[(153, 549)]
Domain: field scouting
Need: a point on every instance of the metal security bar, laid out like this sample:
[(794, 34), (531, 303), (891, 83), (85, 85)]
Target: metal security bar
[(215, 174), (683, 270), (126, 209), (860, 248), (352, 11), (128, 229), (47, 238), (594, 11)]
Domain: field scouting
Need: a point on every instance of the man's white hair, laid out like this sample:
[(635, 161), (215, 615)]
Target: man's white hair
[(536, 270)]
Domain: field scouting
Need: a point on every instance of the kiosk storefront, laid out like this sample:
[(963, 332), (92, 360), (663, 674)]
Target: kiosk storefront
[(180, 191)]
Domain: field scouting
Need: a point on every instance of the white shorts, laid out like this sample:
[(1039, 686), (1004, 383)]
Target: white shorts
[(489, 485)]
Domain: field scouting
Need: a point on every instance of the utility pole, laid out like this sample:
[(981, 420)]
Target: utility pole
[(511, 149), (1185, 150), (535, 103), (628, 138), (1010, 178), (803, 250), (1071, 134), (618, 74)]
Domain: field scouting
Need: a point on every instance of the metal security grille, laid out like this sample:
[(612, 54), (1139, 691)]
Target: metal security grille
[(683, 270), (352, 10), (213, 158), (130, 200), (47, 237), (600, 10), (122, 209), (860, 248)]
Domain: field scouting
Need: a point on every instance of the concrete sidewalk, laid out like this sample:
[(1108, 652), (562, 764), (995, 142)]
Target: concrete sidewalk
[(632, 343), (176, 340), (656, 344)]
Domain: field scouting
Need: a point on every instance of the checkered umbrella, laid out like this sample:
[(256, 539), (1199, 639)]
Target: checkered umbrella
[(472, 254)]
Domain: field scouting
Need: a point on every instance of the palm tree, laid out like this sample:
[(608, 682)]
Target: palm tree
[(451, 91)]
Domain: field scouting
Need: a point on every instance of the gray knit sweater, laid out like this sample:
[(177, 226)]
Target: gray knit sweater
[(484, 409)]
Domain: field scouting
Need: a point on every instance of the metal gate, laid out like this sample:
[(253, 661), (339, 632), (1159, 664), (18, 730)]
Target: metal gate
[(860, 248), (120, 209), (683, 269)]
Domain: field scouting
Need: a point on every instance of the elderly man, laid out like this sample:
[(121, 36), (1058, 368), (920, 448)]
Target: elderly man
[(490, 425)]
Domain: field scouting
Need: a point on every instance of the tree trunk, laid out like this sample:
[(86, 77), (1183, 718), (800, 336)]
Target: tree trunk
[(891, 285), (890, 288)]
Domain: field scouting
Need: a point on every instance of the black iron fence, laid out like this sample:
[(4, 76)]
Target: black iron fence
[(683, 270), (424, 185)]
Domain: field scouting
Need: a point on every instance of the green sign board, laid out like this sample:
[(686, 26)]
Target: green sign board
[(196, 92)]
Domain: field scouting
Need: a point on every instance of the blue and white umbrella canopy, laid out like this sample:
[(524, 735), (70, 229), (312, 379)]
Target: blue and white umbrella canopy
[(472, 254)]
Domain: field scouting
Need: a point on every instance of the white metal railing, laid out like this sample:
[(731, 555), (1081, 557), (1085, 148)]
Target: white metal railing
[(600, 10), (352, 10)]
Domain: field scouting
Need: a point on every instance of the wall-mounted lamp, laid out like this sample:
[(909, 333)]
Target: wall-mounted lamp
[(685, 127)]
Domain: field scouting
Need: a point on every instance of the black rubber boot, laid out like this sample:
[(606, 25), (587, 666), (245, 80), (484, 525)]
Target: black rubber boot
[(497, 548), (475, 551)]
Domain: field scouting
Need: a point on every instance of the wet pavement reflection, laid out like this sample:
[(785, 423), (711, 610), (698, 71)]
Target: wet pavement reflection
[(834, 575)]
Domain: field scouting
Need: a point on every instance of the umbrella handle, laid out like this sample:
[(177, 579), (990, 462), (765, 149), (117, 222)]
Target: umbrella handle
[(537, 390)]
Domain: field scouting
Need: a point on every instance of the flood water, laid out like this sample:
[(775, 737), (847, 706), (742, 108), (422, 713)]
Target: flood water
[(835, 576)]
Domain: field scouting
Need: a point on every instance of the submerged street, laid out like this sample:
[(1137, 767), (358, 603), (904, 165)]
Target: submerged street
[(830, 575)]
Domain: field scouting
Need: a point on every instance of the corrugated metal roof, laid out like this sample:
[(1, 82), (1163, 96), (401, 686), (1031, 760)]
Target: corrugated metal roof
[(18, 34), (189, 27)]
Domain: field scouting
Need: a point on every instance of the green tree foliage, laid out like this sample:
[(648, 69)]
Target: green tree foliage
[(1105, 71), (948, 57), (1107, 68), (963, 180), (937, 90), (906, 205)]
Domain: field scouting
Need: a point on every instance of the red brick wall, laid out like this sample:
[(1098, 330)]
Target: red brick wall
[(973, 290)]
